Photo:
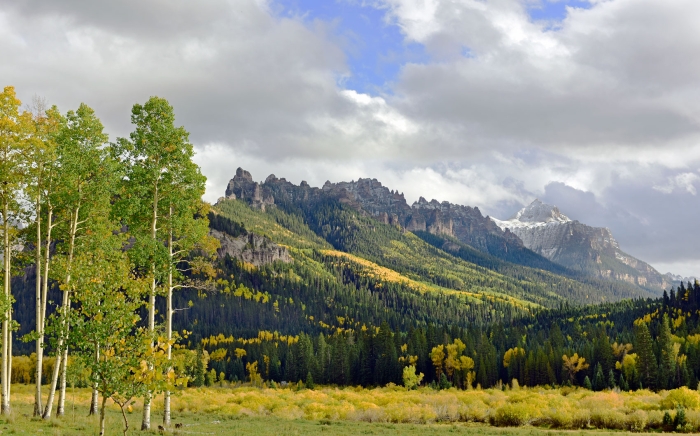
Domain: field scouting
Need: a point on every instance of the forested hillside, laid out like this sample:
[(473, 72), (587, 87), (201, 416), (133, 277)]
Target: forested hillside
[(122, 279)]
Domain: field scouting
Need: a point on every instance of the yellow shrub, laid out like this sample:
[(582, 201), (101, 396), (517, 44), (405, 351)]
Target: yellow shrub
[(608, 418), (681, 397), (474, 412), (370, 414), (515, 414), (410, 413), (693, 418), (637, 420)]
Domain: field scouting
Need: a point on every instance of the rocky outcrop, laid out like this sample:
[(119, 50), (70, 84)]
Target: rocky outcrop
[(243, 186), (371, 198), (250, 248), (545, 230)]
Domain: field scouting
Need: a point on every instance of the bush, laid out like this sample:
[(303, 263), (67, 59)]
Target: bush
[(667, 422), (514, 414), (560, 418), (474, 412), (637, 421), (610, 419), (681, 397), (680, 420), (581, 418), (655, 419)]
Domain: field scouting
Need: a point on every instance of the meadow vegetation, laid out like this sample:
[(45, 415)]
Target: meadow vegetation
[(232, 408)]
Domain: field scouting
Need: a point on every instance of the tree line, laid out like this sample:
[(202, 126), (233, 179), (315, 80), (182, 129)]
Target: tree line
[(105, 227), (630, 345)]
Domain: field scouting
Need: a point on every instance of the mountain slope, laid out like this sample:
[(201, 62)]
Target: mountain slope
[(593, 250), (371, 199), (353, 218)]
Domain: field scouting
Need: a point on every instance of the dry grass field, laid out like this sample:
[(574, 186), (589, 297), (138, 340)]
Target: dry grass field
[(383, 411)]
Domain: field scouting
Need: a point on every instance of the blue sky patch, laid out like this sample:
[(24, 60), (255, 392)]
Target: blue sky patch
[(554, 11), (376, 50)]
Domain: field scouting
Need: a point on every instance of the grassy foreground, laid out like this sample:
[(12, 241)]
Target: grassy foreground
[(382, 411)]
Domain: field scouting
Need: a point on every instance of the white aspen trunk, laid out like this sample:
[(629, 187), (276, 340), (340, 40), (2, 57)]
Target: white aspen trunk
[(37, 262), (5, 392), (102, 415), (61, 409), (95, 394), (9, 358), (169, 320), (146, 419), (64, 313), (41, 325)]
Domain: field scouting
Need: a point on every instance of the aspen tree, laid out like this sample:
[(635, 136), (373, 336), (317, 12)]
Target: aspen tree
[(83, 198), (14, 130), (41, 176), (160, 193)]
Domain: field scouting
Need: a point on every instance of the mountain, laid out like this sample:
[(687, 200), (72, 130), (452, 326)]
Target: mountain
[(294, 258), (577, 246), (371, 199), (342, 214)]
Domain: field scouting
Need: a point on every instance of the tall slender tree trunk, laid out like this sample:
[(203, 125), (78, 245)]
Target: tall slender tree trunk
[(9, 358), (95, 393), (65, 309), (146, 419), (39, 329), (102, 415), (169, 320), (61, 409), (6, 334), (41, 314)]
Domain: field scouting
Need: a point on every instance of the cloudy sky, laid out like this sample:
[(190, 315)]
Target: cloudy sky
[(593, 105)]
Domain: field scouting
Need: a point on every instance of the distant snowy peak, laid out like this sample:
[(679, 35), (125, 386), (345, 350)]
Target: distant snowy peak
[(538, 212)]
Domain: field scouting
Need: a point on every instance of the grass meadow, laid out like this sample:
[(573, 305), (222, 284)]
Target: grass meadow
[(225, 410)]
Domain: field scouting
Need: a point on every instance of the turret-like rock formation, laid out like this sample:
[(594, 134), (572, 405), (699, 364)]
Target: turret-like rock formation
[(371, 198)]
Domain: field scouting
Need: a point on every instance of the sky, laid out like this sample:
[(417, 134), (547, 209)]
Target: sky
[(591, 105)]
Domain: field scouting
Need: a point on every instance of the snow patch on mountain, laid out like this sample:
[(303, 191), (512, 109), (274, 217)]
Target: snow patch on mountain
[(537, 214)]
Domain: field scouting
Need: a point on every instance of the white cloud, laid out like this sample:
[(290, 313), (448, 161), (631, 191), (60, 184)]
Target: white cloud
[(685, 182), (609, 97)]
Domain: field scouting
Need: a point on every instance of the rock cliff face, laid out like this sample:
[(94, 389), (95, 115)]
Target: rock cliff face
[(373, 199), (250, 248), (545, 230)]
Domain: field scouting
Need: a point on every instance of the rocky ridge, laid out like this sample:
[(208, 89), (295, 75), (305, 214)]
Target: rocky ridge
[(373, 199)]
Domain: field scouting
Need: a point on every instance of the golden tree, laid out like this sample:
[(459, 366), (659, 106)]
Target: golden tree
[(574, 364)]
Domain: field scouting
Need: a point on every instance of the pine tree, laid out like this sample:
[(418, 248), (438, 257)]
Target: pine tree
[(611, 380), (444, 383), (623, 383), (646, 361), (667, 357), (599, 382), (587, 383), (309, 381)]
